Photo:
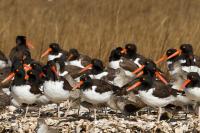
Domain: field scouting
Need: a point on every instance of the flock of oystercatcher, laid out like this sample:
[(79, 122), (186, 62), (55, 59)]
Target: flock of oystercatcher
[(127, 76)]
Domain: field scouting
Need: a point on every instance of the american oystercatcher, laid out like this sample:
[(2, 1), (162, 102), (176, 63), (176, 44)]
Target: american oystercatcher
[(56, 88), (54, 51), (154, 92), (22, 91), (22, 45), (185, 56), (191, 88), (95, 91)]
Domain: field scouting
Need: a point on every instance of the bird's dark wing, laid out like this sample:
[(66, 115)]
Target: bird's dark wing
[(162, 90), (128, 65)]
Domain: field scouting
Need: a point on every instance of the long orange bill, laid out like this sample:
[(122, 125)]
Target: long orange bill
[(134, 86), (139, 69), (53, 68), (178, 52), (161, 59), (124, 51), (46, 52), (26, 77), (70, 56), (86, 68), (186, 82), (27, 67), (78, 85), (139, 74), (158, 75), (30, 45), (8, 78), (42, 75)]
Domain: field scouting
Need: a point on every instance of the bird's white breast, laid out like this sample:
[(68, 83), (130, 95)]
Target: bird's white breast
[(23, 95), (148, 98), (55, 92), (94, 97), (76, 63), (52, 57), (114, 64)]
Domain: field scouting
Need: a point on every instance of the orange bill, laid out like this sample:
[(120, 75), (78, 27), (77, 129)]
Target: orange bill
[(42, 75), (46, 52), (186, 82), (70, 56), (139, 69), (139, 74), (86, 68), (124, 51), (26, 77), (161, 59), (30, 45), (78, 85), (134, 86), (159, 76), (8, 78), (178, 52), (27, 67)]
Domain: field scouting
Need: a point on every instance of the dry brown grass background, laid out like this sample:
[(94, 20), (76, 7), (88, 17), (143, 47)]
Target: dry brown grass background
[(97, 26)]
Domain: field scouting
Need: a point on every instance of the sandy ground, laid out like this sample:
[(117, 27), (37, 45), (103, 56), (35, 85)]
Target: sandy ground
[(14, 122)]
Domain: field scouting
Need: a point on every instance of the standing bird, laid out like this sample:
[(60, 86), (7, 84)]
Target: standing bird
[(56, 88), (191, 88), (185, 56), (21, 47), (55, 51), (95, 91), (22, 91), (154, 93)]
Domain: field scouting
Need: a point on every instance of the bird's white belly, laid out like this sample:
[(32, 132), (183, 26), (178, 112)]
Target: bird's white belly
[(189, 69), (52, 57), (95, 97), (151, 100), (55, 92), (114, 64), (193, 93), (23, 95), (76, 63), (182, 100), (99, 76)]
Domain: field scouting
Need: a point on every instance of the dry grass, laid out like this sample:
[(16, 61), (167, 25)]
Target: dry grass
[(96, 26)]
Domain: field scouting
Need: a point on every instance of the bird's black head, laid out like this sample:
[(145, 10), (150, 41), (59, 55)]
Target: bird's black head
[(131, 50), (86, 81), (150, 66), (97, 65), (50, 71), (73, 54), (146, 80), (55, 47), (21, 40), (186, 48), (116, 54), (37, 67)]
